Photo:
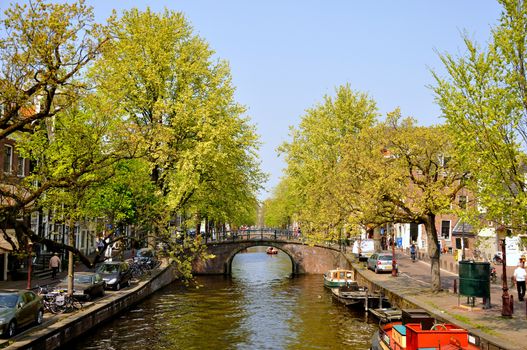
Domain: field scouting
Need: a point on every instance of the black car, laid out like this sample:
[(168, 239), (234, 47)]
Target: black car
[(86, 285), (116, 274), (19, 308)]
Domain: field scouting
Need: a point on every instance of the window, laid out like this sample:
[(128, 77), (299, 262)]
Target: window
[(460, 244), (20, 170), (463, 202), (445, 229), (8, 159)]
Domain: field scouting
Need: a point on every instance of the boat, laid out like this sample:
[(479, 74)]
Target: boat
[(271, 250), (337, 278), (412, 336), (350, 294), (386, 315), (418, 330)]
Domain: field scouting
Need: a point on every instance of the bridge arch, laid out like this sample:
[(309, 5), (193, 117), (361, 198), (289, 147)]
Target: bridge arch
[(305, 259), (228, 262)]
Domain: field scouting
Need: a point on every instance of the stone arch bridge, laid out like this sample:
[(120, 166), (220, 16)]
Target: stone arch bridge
[(305, 259)]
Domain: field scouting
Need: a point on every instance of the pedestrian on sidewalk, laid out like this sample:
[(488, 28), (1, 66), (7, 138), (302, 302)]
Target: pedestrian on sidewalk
[(519, 280), (54, 264)]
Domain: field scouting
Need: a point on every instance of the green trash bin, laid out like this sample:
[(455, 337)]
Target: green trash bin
[(474, 279)]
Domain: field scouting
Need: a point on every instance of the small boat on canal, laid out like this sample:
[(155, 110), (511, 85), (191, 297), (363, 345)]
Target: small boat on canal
[(271, 250), (350, 294), (386, 315), (337, 278)]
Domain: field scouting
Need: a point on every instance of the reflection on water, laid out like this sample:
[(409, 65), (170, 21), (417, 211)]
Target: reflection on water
[(260, 307)]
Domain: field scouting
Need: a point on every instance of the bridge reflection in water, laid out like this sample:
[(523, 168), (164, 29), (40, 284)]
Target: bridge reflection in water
[(259, 307)]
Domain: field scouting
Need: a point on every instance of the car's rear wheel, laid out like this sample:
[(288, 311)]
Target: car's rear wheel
[(117, 286), (376, 269)]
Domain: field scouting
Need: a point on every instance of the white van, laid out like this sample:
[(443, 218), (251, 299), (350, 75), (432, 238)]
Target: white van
[(366, 248)]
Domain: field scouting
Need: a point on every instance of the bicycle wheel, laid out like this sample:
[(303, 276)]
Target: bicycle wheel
[(76, 304), (50, 306)]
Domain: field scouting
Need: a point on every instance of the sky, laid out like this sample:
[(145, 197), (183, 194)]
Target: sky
[(286, 55)]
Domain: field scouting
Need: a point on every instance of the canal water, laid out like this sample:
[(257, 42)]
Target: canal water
[(260, 307)]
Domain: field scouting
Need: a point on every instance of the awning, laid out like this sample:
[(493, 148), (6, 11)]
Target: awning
[(463, 229), (5, 246)]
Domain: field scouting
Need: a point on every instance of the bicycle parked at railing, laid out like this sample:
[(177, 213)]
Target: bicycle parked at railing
[(48, 300), (137, 269), (66, 303), (59, 301)]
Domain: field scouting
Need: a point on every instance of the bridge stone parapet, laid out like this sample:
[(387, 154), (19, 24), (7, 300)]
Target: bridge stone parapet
[(305, 259)]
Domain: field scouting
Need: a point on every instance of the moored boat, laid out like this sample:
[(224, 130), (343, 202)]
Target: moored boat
[(386, 315), (412, 336), (337, 278), (350, 294)]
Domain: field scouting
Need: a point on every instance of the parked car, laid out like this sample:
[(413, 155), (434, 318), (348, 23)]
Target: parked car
[(19, 308), (146, 256), (363, 248), (380, 262), (116, 274), (86, 285)]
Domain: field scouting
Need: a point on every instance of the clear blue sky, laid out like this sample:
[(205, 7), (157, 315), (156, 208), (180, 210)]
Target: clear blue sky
[(286, 55)]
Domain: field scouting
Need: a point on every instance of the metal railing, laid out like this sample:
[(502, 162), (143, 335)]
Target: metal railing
[(270, 234)]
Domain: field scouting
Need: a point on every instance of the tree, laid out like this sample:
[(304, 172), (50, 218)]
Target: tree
[(417, 177), (483, 99), (179, 101), (278, 210), (313, 156), (44, 49)]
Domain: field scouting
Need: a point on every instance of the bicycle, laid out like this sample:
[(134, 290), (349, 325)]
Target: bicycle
[(64, 302), (48, 300)]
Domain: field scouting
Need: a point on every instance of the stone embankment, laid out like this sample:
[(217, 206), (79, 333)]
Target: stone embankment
[(58, 330)]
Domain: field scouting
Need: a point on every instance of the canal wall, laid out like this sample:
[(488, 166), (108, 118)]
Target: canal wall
[(65, 328)]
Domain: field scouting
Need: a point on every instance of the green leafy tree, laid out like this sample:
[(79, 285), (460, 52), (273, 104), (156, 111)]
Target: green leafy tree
[(313, 156), (200, 150), (483, 98), (418, 176), (44, 49)]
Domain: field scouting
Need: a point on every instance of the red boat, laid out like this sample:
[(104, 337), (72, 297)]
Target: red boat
[(412, 336), (271, 250)]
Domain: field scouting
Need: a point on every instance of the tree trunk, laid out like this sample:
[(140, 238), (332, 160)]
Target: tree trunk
[(377, 239), (433, 252)]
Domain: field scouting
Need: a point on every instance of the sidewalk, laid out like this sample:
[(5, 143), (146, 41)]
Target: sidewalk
[(36, 282), (413, 284)]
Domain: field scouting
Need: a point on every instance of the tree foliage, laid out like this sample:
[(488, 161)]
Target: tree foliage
[(483, 98), (314, 153), (148, 131)]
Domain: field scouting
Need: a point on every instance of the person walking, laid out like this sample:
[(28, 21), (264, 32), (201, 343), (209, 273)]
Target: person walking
[(54, 264), (519, 280)]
